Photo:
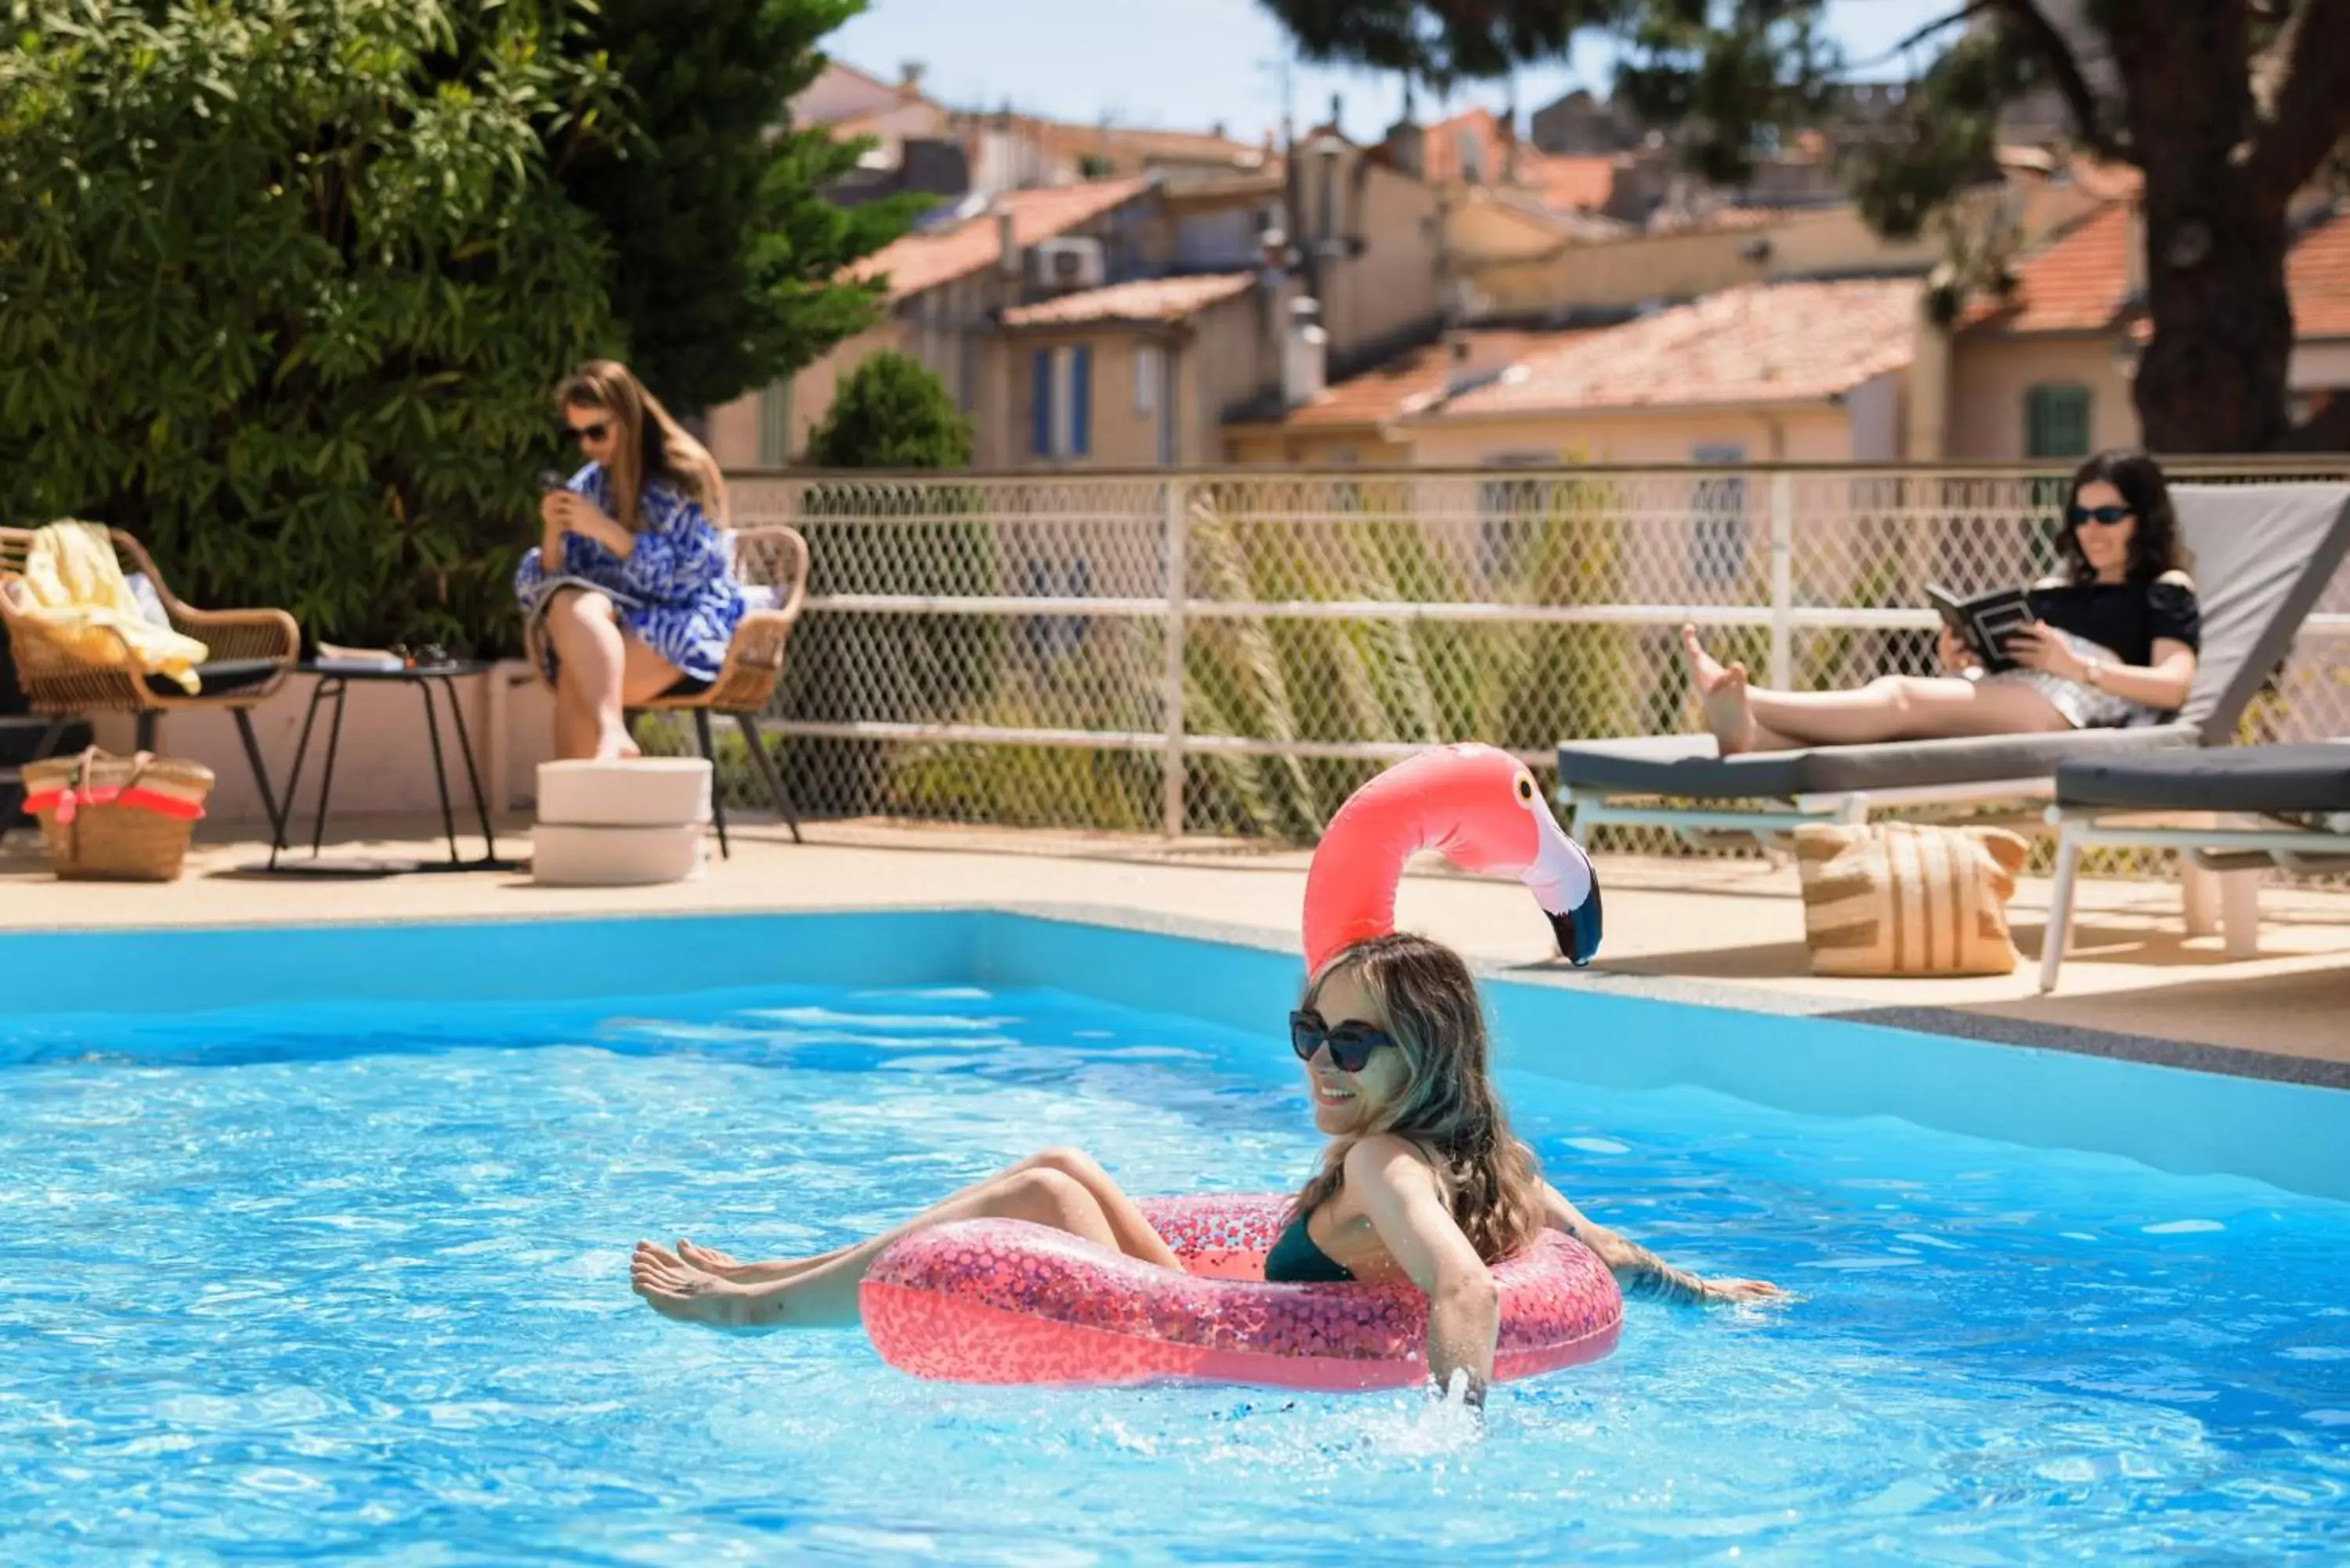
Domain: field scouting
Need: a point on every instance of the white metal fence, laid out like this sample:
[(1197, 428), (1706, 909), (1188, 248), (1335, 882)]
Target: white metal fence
[(1233, 652)]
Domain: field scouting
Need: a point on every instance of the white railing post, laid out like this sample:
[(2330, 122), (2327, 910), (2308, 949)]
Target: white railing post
[(1782, 579), (1177, 555)]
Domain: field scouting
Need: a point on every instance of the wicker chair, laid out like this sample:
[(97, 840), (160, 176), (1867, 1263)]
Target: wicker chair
[(764, 557), (251, 652)]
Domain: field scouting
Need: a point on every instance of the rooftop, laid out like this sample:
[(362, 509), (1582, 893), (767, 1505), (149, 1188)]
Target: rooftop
[(1155, 299), (920, 261), (1758, 343), (1415, 378), (2079, 282), (1474, 148)]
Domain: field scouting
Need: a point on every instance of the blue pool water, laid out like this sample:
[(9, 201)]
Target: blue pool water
[(351, 1282)]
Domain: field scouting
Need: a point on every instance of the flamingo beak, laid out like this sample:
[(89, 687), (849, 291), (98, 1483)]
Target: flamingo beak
[(1564, 883)]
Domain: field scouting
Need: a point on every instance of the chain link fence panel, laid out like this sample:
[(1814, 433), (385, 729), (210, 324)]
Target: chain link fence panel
[(1233, 653)]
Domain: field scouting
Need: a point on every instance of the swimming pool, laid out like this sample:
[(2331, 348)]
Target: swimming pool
[(292, 1263)]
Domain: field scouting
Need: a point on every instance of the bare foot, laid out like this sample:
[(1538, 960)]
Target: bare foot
[(615, 746), (1721, 696), (675, 1289), (726, 1266)]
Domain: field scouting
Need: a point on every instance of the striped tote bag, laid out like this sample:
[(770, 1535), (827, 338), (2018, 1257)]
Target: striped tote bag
[(1895, 897)]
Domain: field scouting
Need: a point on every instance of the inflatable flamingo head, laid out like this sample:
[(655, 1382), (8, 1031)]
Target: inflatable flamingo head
[(1480, 807)]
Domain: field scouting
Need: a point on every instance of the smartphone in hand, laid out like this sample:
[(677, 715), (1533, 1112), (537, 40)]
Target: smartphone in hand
[(553, 479)]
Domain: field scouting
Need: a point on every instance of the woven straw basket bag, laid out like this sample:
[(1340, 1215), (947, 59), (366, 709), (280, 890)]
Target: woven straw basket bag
[(104, 817)]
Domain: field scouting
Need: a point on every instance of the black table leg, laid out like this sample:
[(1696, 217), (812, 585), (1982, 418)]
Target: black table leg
[(472, 776), (280, 821), (327, 781), (440, 771)]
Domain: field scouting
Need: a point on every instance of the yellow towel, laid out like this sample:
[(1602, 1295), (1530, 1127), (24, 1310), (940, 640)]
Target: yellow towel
[(74, 591)]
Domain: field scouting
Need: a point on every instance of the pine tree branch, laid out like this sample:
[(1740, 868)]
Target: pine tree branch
[(2088, 119), (1966, 13), (2309, 113)]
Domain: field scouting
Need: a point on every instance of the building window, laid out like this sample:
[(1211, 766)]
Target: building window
[(775, 423), (1149, 365), (1718, 516), (2056, 422), (1060, 401)]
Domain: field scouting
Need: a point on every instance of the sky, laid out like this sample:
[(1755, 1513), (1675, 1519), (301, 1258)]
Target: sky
[(1189, 64)]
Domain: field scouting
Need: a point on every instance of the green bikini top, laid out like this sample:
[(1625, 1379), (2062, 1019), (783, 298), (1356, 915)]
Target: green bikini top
[(1296, 1260)]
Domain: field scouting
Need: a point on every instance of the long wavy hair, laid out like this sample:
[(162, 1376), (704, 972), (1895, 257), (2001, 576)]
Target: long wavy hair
[(2155, 546), (652, 444), (1448, 1105)]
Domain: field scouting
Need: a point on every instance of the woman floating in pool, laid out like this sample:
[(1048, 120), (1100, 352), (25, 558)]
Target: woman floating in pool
[(2114, 643), (1422, 1180)]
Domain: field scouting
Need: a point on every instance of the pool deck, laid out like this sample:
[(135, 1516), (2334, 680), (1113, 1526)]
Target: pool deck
[(1727, 932)]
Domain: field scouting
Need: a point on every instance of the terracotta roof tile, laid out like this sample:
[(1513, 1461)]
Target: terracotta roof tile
[(917, 261), (2076, 282), (1152, 299), (2318, 273), (1758, 343), (1413, 378)]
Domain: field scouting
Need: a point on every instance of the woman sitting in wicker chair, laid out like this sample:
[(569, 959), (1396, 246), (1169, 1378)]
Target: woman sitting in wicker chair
[(631, 596)]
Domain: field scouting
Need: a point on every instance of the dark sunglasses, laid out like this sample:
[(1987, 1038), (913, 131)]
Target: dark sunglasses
[(2103, 516), (1351, 1043), (595, 432)]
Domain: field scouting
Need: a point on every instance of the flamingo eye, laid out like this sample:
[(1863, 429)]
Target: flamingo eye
[(1525, 788)]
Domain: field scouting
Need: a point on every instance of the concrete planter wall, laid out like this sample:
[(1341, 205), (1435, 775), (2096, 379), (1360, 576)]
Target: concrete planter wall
[(385, 762)]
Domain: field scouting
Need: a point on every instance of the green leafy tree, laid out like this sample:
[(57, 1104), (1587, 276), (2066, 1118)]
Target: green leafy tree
[(727, 264), (282, 287), (891, 412), (2228, 107)]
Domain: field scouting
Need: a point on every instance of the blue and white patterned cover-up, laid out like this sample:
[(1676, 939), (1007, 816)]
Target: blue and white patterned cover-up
[(676, 592)]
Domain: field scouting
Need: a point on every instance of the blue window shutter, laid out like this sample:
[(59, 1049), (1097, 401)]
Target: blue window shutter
[(1040, 402), (1081, 400)]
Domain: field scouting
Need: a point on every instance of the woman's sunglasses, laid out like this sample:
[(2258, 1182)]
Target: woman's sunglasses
[(595, 432), (1351, 1043), (2103, 516)]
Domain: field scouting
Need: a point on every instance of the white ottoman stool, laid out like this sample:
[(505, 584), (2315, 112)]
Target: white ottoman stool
[(620, 823)]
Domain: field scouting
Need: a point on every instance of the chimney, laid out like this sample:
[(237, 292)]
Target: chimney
[(1459, 371), (1304, 355), (1407, 145), (910, 79), (1217, 130), (1007, 242)]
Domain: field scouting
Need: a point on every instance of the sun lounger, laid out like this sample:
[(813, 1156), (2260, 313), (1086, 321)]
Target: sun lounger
[(2263, 807), (2263, 554)]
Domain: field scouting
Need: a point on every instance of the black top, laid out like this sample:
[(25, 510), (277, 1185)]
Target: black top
[(2125, 617), (1297, 1260)]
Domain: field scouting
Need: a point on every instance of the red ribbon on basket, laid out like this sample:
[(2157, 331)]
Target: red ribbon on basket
[(67, 802)]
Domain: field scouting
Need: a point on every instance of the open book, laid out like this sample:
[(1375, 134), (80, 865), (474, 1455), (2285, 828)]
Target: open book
[(1983, 621)]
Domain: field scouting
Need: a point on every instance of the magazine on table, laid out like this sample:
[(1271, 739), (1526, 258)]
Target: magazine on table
[(1983, 621)]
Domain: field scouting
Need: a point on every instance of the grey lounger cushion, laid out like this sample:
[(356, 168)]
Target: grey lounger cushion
[(2313, 777), (2263, 554), (1686, 765)]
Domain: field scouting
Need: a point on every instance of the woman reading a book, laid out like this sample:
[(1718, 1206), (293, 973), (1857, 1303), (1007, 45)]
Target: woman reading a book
[(2111, 642), (630, 594)]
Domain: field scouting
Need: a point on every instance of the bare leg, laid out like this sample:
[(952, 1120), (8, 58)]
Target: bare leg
[(1134, 1234), (1890, 707), (1062, 1188), (590, 664), (826, 1295)]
